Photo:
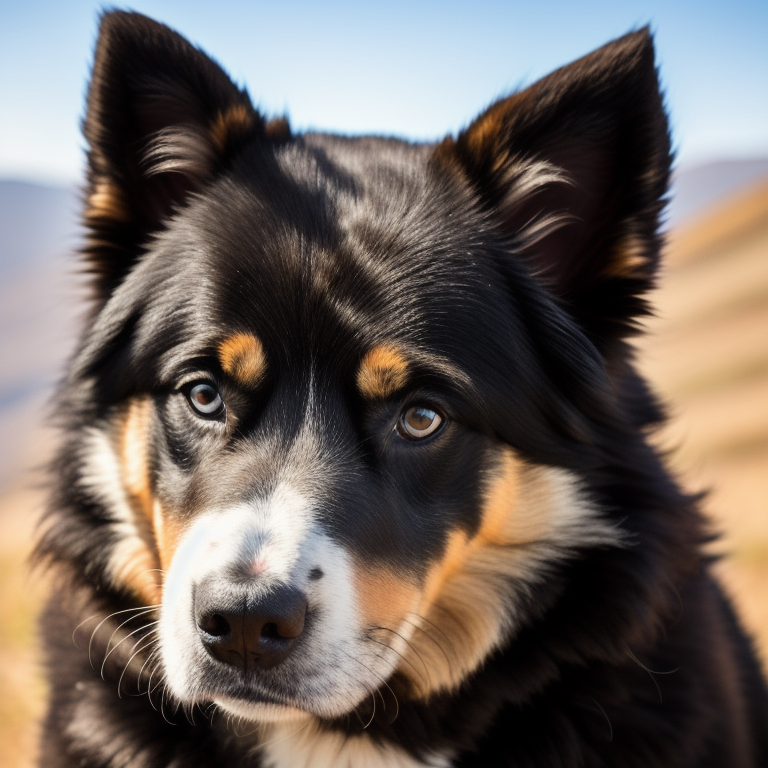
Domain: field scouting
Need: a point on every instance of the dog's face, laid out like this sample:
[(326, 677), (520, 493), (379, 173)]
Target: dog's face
[(319, 460), (344, 395)]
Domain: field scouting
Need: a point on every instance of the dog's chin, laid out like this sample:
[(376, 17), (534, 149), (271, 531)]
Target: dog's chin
[(261, 712)]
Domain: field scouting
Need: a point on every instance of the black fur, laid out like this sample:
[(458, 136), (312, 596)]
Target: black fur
[(625, 655)]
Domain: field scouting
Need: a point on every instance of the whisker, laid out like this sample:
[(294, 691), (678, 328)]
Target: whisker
[(650, 672), (142, 608), (425, 620), (607, 719), (415, 651), (117, 629), (149, 660), (381, 679), (404, 658), (106, 618), (137, 649), (163, 695), (149, 687), (447, 612), (378, 690), (373, 714), (118, 644), (242, 721)]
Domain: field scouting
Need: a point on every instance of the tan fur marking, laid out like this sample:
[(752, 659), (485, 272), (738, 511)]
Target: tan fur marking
[(486, 138), (507, 521), (384, 597), (383, 371), (106, 202), (134, 565), (498, 527), (629, 260), (529, 516), (135, 558), (483, 135), (242, 357), (308, 745), (168, 533), (278, 129), (134, 455), (235, 123)]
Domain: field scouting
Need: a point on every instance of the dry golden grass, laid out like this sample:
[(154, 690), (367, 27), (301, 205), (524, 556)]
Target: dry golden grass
[(707, 355), (22, 592)]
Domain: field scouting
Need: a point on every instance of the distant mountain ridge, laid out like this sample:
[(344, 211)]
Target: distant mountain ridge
[(36, 224), (696, 188)]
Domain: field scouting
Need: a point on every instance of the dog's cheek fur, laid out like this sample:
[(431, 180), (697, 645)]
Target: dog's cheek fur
[(115, 472), (474, 596), (119, 460)]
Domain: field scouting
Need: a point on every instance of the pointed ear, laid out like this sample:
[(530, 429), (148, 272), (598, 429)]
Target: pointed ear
[(575, 169), (162, 120)]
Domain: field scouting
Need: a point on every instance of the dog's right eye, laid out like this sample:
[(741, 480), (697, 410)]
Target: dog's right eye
[(205, 400), (418, 423)]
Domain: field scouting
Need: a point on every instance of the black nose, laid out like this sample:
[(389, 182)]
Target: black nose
[(249, 633)]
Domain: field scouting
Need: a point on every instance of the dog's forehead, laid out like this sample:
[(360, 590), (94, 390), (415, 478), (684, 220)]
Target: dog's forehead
[(330, 240)]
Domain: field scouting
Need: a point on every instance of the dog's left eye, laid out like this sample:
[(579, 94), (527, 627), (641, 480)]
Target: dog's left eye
[(205, 400), (418, 422)]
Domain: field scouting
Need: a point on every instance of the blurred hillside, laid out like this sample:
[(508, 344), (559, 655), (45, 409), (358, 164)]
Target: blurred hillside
[(706, 353), (701, 187), (38, 310)]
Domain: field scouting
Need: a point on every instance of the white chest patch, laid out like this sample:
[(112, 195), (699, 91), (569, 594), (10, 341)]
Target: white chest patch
[(309, 747)]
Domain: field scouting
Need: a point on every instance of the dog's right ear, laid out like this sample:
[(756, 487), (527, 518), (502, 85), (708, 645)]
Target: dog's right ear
[(574, 171), (162, 119)]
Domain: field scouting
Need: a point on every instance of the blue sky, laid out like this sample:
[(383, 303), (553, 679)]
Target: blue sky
[(418, 70)]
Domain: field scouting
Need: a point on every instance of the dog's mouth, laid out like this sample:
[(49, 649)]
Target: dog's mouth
[(314, 681), (255, 700), (250, 709), (244, 660)]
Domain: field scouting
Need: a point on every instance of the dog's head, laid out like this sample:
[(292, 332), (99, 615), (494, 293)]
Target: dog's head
[(343, 405)]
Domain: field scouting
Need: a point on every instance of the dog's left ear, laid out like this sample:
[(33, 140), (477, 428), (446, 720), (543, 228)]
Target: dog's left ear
[(575, 169)]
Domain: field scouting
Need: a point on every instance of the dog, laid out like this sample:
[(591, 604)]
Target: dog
[(355, 465)]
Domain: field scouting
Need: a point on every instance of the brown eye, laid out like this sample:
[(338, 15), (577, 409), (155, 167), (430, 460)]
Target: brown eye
[(418, 422), (205, 399)]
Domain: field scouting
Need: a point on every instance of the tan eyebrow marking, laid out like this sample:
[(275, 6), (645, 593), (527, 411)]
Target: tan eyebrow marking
[(383, 371), (242, 357)]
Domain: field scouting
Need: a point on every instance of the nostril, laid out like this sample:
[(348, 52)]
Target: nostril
[(270, 631), (214, 624)]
